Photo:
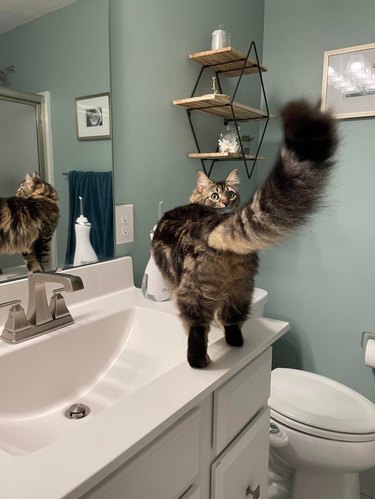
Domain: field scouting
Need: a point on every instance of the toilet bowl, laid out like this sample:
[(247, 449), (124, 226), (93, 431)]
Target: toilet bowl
[(322, 435)]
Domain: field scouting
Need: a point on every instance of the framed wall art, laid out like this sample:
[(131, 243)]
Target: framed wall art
[(348, 88), (93, 117)]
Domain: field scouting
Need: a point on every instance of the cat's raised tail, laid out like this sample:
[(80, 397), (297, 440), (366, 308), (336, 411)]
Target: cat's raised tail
[(292, 191)]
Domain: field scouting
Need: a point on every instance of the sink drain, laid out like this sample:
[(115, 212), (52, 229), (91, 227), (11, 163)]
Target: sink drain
[(77, 411)]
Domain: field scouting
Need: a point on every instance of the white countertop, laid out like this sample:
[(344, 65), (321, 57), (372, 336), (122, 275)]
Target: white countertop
[(73, 464)]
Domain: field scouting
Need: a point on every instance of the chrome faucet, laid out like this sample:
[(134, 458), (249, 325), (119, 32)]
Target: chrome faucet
[(41, 317)]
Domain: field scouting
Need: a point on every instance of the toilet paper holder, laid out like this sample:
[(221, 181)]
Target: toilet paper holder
[(366, 335)]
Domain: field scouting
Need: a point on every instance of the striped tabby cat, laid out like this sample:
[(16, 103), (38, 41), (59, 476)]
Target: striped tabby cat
[(28, 221), (207, 250)]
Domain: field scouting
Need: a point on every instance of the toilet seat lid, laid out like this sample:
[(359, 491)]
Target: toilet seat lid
[(320, 402)]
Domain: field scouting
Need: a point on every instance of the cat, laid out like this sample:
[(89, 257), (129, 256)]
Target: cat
[(207, 251), (28, 220)]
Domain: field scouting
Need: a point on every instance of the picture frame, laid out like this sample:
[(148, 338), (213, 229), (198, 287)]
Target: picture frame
[(93, 118), (348, 85)]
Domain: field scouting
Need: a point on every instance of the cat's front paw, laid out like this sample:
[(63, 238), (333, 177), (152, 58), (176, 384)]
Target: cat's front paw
[(309, 132)]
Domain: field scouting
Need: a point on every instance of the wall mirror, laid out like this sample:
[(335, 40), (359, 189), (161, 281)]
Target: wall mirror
[(349, 81), (60, 54), (23, 141)]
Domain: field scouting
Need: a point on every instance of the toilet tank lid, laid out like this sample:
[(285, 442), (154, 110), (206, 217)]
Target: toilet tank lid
[(320, 402)]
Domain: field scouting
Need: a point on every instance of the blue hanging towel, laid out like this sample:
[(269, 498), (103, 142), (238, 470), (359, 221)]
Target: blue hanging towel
[(96, 191)]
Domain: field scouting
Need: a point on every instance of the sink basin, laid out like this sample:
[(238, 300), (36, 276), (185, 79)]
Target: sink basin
[(97, 361)]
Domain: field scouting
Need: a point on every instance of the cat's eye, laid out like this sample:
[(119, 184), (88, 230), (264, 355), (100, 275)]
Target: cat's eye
[(214, 196), (231, 195)]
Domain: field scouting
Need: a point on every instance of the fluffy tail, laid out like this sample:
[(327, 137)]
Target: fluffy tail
[(292, 191)]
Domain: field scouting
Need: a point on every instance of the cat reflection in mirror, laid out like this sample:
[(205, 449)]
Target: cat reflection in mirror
[(28, 220), (207, 250)]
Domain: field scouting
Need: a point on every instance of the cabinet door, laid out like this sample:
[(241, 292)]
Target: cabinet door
[(243, 396), (162, 471), (241, 472)]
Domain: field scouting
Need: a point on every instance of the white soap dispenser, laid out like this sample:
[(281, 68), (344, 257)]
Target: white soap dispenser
[(153, 285), (84, 252)]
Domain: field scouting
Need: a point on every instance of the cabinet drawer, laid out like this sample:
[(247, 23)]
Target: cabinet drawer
[(238, 400), (162, 471), (242, 470)]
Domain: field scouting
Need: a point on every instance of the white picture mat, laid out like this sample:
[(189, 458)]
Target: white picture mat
[(83, 105)]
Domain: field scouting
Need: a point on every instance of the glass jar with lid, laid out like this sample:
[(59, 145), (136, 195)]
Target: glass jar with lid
[(220, 38)]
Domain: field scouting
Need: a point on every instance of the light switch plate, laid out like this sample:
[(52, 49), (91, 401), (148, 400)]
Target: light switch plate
[(124, 223)]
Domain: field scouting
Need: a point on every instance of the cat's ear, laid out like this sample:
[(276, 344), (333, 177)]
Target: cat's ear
[(233, 178), (36, 175), (28, 177), (203, 182)]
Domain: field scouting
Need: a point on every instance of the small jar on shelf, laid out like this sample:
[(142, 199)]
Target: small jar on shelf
[(220, 38), (229, 140)]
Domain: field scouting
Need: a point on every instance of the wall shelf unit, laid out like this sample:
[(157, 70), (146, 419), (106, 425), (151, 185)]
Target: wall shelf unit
[(231, 63)]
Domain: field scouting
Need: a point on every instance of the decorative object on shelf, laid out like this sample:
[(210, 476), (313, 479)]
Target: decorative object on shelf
[(229, 140), (349, 81), (93, 117), (245, 141), (214, 89), (220, 38)]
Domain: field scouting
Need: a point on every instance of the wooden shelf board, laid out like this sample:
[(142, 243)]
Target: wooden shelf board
[(219, 105), (227, 61), (222, 155)]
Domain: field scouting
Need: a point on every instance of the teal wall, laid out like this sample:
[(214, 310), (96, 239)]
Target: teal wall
[(67, 53), (150, 43), (323, 280)]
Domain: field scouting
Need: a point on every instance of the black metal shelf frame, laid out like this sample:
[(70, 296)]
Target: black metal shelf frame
[(251, 49)]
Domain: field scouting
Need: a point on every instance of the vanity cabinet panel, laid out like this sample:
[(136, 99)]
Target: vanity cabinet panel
[(164, 470), (240, 399), (241, 472)]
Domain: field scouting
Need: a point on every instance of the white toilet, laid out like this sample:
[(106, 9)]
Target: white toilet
[(322, 435)]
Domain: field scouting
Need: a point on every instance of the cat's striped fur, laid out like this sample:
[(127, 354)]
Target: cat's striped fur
[(28, 221), (209, 256)]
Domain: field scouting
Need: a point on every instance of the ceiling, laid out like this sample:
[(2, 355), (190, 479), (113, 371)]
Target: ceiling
[(14, 13)]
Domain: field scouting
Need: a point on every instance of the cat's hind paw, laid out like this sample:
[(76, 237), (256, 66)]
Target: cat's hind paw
[(233, 335)]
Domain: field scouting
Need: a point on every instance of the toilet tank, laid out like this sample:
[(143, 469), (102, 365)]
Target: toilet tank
[(260, 298)]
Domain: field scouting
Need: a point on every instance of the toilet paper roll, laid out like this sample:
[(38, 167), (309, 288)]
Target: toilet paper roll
[(370, 353)]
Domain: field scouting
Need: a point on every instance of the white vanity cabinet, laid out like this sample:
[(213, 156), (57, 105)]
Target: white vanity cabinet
[(157, 429), (218, 450)]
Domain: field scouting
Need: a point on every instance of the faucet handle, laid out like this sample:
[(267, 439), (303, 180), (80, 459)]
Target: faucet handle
[(57, 304), (16, 321)]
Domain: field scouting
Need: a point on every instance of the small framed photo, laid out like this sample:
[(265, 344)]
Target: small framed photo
[(93, 117), (348, 88)]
